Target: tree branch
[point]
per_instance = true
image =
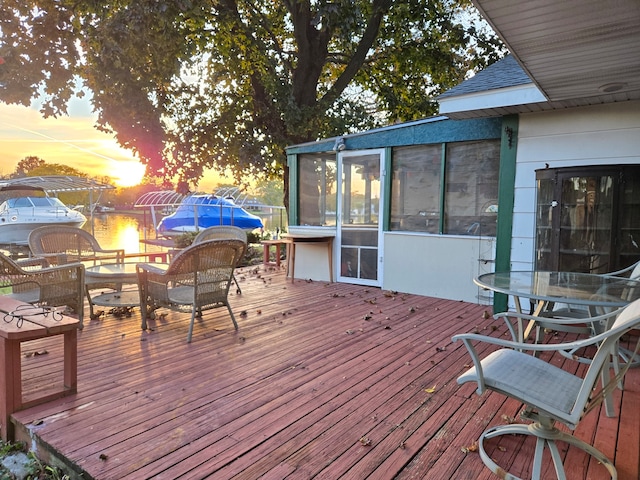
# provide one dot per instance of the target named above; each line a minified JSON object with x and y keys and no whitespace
{"x":380,"y":9}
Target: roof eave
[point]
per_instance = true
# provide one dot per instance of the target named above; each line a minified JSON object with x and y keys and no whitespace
{"x":491,"y":99}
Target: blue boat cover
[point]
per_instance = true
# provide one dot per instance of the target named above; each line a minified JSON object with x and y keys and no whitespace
{"x":209,"y":210}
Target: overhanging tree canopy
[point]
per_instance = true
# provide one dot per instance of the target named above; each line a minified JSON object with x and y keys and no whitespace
{"x":196,"y":84}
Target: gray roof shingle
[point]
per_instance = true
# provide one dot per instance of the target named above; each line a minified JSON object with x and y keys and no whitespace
{"x":504,"y":73}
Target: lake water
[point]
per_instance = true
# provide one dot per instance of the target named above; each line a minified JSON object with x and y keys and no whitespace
{"x":117,"y":230}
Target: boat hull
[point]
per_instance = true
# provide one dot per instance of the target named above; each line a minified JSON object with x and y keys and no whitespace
{"x":18,"y":217}
{"x":203,"y":211}
{"x":18,"y":233}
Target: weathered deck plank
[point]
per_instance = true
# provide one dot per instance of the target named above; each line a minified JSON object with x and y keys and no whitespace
{"x":321,"y":381}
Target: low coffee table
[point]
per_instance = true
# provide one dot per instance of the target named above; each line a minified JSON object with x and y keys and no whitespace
{"x":113,"y":275}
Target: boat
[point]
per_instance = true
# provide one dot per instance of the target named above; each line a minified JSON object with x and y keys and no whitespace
{"x":27,"y":204}
{"x":20,"y":215}
{"x":98,"y":208}
{"x":199,"y":211}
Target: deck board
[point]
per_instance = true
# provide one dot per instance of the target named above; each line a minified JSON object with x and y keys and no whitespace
{"x":320,"y":381}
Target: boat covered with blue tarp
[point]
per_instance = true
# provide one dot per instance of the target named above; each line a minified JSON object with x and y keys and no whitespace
{"x":198,"y":211}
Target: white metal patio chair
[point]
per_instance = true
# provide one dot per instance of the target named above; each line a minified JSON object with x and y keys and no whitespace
{"x":197,"y":279}
{"x":549,"y":393}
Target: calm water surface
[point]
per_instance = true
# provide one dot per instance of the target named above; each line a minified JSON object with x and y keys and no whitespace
{"x":116,"y":230}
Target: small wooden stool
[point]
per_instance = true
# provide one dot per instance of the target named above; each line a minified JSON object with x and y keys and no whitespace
{"x":266,"y":245}
{"x":21,"y":327}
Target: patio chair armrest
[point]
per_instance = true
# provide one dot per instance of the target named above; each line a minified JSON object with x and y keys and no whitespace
{"x":570,"y":324}
{"x":534,"y":347}
{"x":477,"y":363}
{"x":118,"y":253}
{"x":79,"y":267}
{"x":151,"y":268}
{"x":623,"y":271}
{"x":33,"y":263}
{"x":53,"y":258}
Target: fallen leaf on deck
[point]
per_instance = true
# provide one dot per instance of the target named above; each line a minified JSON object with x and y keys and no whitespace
{"x":366,"y":441}
{"x":471,"y":448}
{"x":431,"y":390}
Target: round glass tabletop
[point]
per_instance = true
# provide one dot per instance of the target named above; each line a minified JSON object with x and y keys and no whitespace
{"x":568,"y":287}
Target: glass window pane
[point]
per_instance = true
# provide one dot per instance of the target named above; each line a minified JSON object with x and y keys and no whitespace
{"x":317,"y":189}
{"x":585,"y":224}
{"x":544,"y":222}
{"x":471,"y":190}
{"x":415,"y":188}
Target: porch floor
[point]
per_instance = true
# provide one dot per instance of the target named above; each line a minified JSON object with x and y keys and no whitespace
{"x":321,"y":381}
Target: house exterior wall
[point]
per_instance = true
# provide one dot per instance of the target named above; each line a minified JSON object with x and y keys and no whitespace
{"x":441,"y":266}
{"x":585,"y":136}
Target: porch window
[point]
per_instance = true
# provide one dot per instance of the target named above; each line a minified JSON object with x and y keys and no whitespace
{"x":469,"y":204}
{"x":415,"y":188}
{"x":317,"y":194}
{"x":471,"y":188}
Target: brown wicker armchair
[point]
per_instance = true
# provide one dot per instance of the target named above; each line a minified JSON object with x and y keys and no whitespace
{"x":64,"y":244}
{"x":61,"y":244}
{"x":53,"y":286}
{"x":197,"y":279}
{"x":224,"y":232}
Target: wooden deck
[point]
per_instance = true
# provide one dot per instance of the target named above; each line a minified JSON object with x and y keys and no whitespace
{"x":321,"y":381}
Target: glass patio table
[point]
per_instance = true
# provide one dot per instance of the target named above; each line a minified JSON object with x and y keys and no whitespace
{"x":115,"y":275}
{"x":572,"y":288}
{"x":593,"y":292}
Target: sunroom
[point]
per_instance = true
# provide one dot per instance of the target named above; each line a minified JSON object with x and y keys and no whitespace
{"x":413,"y":207}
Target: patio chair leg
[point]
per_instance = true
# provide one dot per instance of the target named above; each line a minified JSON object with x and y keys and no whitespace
{"x":193,"y":317}
{"x":233,"y":318}
{"x":235,"y":280}
{"x":546,"y":437}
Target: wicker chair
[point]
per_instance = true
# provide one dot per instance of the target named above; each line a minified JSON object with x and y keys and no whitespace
{"x":197,"y":279}
{"x":550,"y":394}
{"x":224,"y":232}
{"x":64,"y":244}
{"x":61,"y":244}
{"x":52,"y":286}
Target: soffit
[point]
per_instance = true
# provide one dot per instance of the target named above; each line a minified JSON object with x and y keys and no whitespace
{"x":573,"y":50}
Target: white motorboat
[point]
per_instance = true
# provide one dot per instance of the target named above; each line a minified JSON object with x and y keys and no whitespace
{"x":22,"y":210}
{"x":20,"y":215}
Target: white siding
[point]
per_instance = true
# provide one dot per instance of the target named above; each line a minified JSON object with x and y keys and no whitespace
{"x":600,"y":135}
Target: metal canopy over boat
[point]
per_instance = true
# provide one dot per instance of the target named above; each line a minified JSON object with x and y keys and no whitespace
{"x":54,"y":184}
{"x":20,"y":213}
{"x":169,"y":198}
{"x":198,"y":210}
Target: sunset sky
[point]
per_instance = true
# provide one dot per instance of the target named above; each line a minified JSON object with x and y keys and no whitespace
{"x":71,"y":141}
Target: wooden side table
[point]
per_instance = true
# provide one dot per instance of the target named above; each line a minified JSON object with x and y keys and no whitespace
{"x":266,"y":245}
{"x":23,"y":322}
{"x":293,"y":239}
